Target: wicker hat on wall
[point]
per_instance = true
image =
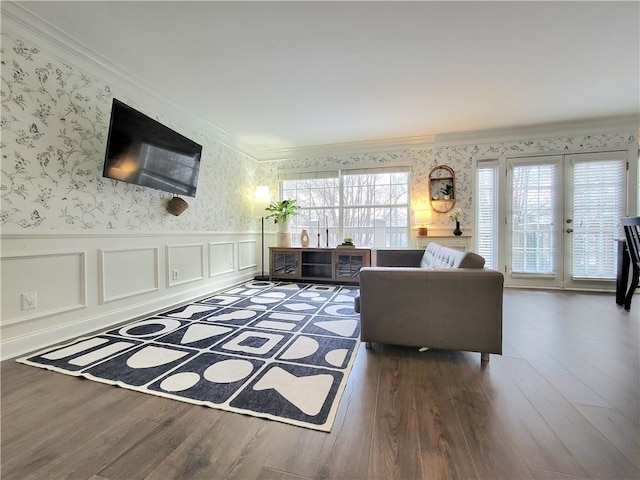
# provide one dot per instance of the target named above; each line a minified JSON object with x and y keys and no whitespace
{"x":176,"y":206}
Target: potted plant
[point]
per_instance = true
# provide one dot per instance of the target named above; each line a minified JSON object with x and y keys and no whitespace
{"x":281,"y":212}
{"x":447,"y":191}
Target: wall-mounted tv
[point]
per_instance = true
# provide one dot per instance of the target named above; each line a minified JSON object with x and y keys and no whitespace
{"x":144,"y":152}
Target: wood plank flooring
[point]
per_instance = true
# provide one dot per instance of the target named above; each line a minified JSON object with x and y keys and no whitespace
{"x":561,"y":403}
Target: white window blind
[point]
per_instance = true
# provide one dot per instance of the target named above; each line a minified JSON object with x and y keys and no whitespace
{"x":598,"y":204}
{"x":533,"y":246}
{"x":487,"y":213}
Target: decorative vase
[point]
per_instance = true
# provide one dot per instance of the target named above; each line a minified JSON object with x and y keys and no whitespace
{"x":283,"y":225}
{"x":457,"y":232}
{"x":304,"y":239}
{"x":284,"y":237}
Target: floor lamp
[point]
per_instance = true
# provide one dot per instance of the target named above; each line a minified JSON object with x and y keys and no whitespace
{"x":262,"y":200}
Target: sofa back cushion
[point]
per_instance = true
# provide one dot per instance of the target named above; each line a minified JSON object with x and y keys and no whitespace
{"x":439,"y":256}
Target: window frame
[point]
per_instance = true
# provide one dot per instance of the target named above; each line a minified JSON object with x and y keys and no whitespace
{"x":337,"y":232}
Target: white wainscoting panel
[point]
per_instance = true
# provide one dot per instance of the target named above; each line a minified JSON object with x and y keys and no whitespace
{"x":128,"y":272}
{"x":87,"y":281}
{"x":58,"y":280}
{"x":185,"y":263}
{"x":247,"y":254}
{"x":221,"y":258}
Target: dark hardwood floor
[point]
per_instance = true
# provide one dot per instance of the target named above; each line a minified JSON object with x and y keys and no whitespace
{"x":561,"y":403}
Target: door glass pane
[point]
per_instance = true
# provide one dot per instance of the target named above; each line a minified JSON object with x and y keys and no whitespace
{"x":533,"y":207}
{"x":349,"y":265}
{"x":284,"y":263}
{"x":598,"y":204}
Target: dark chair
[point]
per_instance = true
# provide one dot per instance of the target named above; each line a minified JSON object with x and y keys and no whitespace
{"x":632,"y":233}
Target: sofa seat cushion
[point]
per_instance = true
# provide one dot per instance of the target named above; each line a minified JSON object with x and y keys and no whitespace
{"x":439,"y":256}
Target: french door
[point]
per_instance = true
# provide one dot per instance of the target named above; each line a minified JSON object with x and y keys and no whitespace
{"x":563,"y":218}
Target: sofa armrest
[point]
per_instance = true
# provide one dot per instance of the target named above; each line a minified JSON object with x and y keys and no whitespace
{"x":399,"y":258}
{"x":457,"y":309}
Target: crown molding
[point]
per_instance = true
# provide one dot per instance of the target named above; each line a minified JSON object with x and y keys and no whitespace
{"x":18,"y":19}
{"x":625,"y":123}
{"x":69,"y":50}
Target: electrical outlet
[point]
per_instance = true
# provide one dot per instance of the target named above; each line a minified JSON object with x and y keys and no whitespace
{"x":175,"y":274}
{"x":29,"y":300}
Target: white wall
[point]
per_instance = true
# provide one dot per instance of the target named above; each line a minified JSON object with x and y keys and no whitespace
{"x":85,"y":281}
{"x":97,"y":251}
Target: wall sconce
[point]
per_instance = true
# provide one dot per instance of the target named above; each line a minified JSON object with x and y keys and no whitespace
{"x":261,"y":202}
{"x":422,"y":218}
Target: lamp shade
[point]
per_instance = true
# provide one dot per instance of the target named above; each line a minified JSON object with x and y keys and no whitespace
{"x":262,"y":200}
{"x":422,"y":217}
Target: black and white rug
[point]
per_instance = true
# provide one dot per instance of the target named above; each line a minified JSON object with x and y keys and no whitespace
{"x":281,"y":351}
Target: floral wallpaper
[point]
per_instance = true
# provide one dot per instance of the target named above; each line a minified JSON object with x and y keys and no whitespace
{"x":55,"y":122}
{"x":460,"y":158}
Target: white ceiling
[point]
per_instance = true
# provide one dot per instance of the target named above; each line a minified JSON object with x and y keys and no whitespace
{"x":283,"y":75}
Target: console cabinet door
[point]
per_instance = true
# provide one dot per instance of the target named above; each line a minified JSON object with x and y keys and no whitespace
{"x":285,"y":263}
{"x":348,"y":265}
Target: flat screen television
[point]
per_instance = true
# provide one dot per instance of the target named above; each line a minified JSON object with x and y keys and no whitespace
{"x":144,"y":152}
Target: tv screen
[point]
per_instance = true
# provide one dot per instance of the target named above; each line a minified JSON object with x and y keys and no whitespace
{"x":144,"y":152}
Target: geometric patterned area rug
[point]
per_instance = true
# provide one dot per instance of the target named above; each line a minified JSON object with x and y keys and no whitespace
{"x":281,"y":351}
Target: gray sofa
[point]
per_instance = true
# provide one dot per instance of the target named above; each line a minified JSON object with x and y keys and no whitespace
{"x":442,"y":298}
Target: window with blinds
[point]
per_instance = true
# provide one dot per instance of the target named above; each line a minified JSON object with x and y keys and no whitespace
{"x":487,"y":213}
{"x":533,"y":210}
{"x":369,"y":205}
{"x":598,"y":193}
